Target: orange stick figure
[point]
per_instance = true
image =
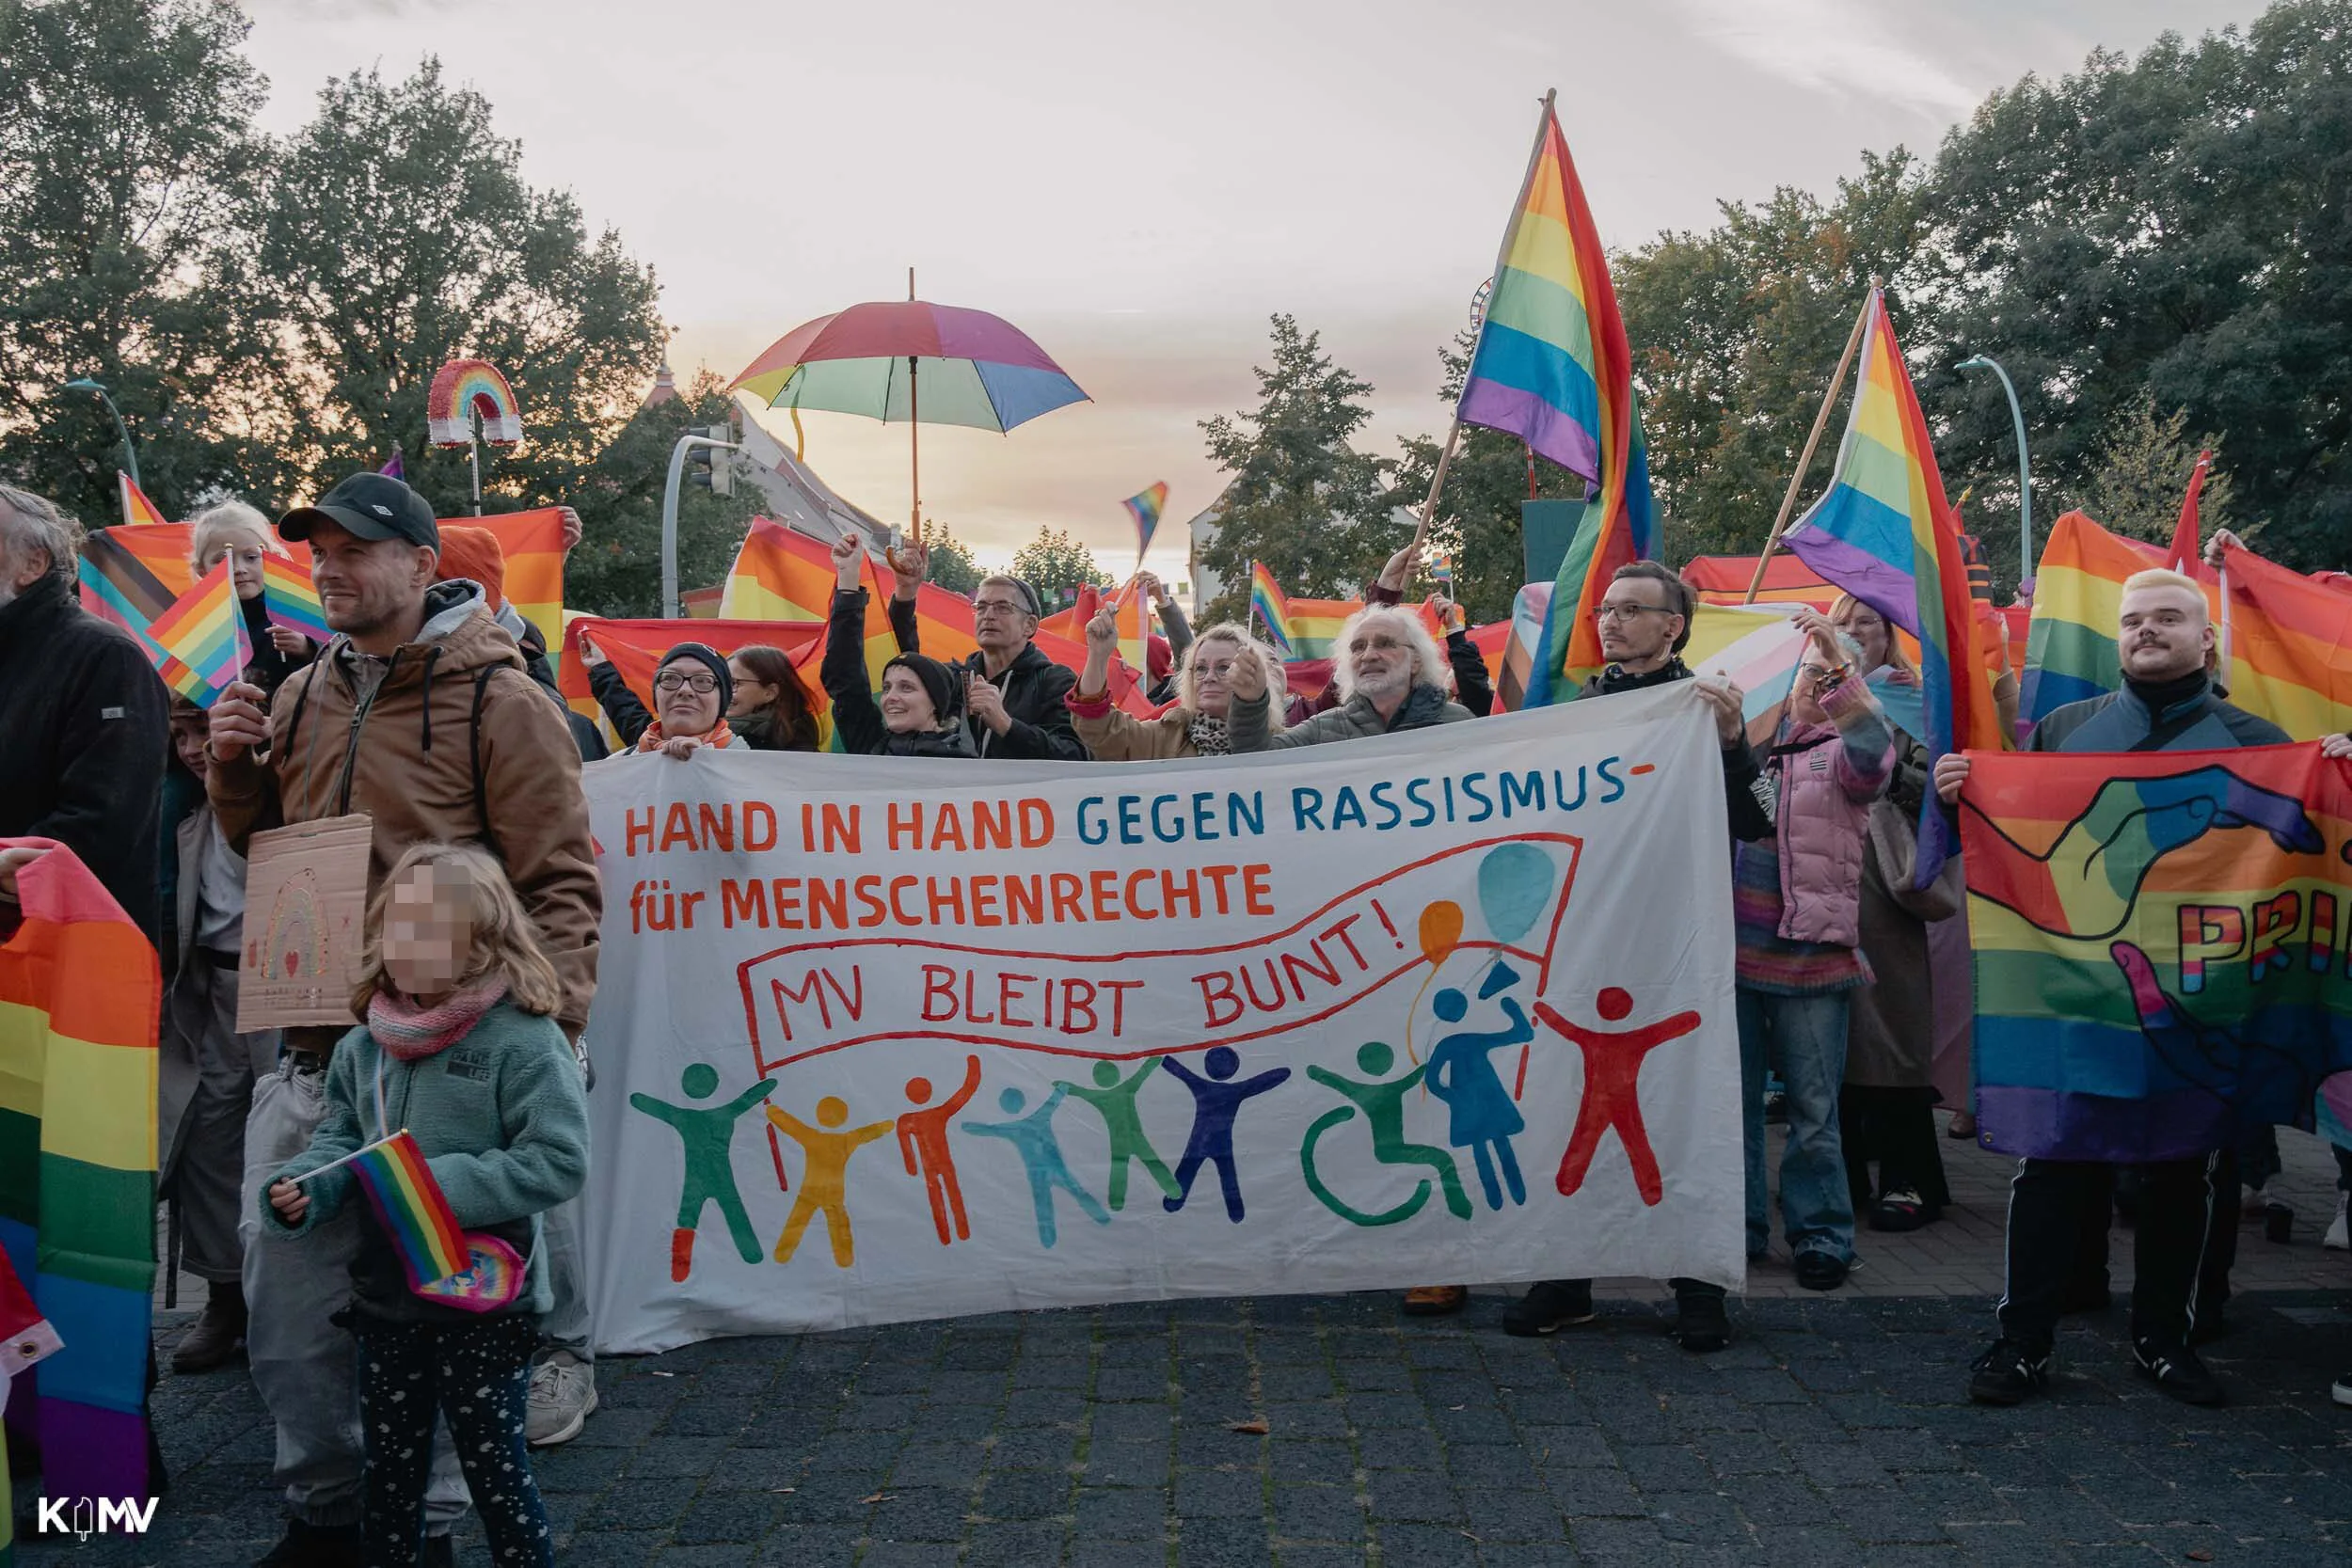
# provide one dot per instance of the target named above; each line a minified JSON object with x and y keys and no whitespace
{"x":824,"y":1176}
{"x":1612,"y":1073}
{"x":922,"y":1141}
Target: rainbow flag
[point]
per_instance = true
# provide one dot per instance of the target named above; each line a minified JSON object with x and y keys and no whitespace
{"x":203,"y":633}
{"x":2287,"y":642}
{"x":292,"y":601}
{"x":412,"y":1209}
{"x":1134,"y":609}
{"x":1314,"y":625}
{"x":1552,"y":366}
{"x":1144,"y":507}
{"x":79,"y":992}
{"x":2077,"y":595}
{"x":138,"y":511}
{"x":533,"y":546}
{"x":1885,"y":534}
{"x":2159,"y":944}
{"x":1271,"y":608}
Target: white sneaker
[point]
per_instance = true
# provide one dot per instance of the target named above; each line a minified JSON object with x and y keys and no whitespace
{"x":562,"y":1397}
{"x":2338,"y":1237}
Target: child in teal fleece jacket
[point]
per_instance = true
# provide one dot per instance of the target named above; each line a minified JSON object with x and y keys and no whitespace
{"x":460,"y":1049}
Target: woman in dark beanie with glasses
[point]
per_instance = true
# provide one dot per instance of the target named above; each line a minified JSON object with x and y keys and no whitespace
{"x":920,"y":711}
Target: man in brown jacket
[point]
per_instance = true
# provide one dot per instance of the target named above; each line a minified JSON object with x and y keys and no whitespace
{"x":420,"y":715}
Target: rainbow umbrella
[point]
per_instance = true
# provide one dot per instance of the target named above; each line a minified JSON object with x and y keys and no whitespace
{"x":915,"y":362}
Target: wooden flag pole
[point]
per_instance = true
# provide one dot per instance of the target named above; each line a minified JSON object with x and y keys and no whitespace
{"x":1436,"y":483}
{"x":1805,"y":459}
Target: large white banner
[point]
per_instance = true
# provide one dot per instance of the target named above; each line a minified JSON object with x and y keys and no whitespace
{"x":879,"y":1039}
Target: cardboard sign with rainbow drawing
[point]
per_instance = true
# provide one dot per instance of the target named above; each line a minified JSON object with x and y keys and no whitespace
{"x":306,"y":892}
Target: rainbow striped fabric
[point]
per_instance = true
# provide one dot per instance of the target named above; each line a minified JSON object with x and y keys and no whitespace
{"x":2160,"y":946}
{"x":1144,"y":507}
{"x":138,"y":511}
{"x":533,"y":542}
{"x":1134,"y":609}
{"x":2077,"y":594}
{"x":413,"y":1210}
{"x":1885,"y":534}
{"x":290,"y":600}
{"x":79,"y":992}
{"x":1271,"y":609}
{"x":1551,"y":367}
{"x":199,"y":644}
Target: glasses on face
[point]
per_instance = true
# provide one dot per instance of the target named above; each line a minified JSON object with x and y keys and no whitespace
{"x":1610,"y":609}
{"x":984,"y":609}
{"x":1213,"y":672}
{"x":1810,"y":674}
{"x":701,"y":685}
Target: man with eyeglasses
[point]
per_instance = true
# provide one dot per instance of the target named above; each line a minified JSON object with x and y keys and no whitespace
{"x":1645,"y":623}
{"x":1014,"y":698}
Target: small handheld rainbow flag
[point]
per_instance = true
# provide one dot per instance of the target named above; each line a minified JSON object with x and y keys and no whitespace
{"x":1144,"y":507}
{"x":203,"y":635}
{"x":1269,"y":604}
{"x":136,"y":508}
{"x":292,"y":601}
{"x":413,"y":1209}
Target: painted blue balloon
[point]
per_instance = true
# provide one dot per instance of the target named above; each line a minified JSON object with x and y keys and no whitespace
{"x":1513,"y":884}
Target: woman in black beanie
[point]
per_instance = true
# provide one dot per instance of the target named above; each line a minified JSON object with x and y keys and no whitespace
{"x":921,"y":713}
{"x":692,"y":688}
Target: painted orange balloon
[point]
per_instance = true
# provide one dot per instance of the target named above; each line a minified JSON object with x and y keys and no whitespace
{"x":1441,"y":930}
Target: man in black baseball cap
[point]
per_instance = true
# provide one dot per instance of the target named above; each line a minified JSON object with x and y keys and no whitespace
{"x":367,"y":506}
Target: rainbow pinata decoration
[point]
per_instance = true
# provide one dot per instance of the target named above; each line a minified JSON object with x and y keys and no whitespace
{"x":465,"y":390}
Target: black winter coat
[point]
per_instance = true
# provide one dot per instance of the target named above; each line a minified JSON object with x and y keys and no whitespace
{"x":1036,"y":699}
{"x":857,"y":720}
{"x":83,"y":742}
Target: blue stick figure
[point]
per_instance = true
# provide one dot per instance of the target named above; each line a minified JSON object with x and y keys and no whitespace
{"x":1215,"y":1101}
{"x":1462,"y":1073}
{"x":1032,"y":1138}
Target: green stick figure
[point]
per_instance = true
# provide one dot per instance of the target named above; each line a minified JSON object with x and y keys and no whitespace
{"x":1116,"y":1102}
{"x":707,"y":1132}
{"x":1383,"y":1105}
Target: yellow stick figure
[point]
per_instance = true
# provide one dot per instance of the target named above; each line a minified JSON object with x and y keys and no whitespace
{"x":824,"y":1173}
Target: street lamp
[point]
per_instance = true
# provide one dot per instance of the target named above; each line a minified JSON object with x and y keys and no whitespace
{"x":130,"y":457}
{"x":693,"y":440}
{"x":2024,"y":473}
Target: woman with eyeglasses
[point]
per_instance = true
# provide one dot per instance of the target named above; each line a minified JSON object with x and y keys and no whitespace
{"x":768,"y":708}
{"x":691,"y":691}
{"x":1194,"y":726}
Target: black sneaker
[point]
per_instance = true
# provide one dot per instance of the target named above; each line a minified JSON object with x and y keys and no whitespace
{"x":1901,"y":1210}
{"x":1822,"y":1271}
{"x":440,"y":1552}
{"x":1550,"y":1305}
{"x":2006,"y":1373}
{"x":308,"y":1546}
{"x":2176,"y":1370}
{"x":1700,"y":1322}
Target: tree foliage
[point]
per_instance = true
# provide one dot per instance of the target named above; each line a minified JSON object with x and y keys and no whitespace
{"x":616,"y":569}
{"x":1300,"y":497}
{"x":1056,"y":565}
{"x":2143,"y":474}
{"x":951,"y":564}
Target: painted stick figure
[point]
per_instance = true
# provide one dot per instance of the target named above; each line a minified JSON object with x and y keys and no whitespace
{"x":824,"y":1176}
{"x":1215,"y":1101}
{"x":1383,"y":1104}
{"x":1461,"y":1073}
{"x":707,"y":1132}
{"x":923,"y":1142}
{"x":1032,"y":1138}
{"x":1613,"y":1074}
{"x":1116,"y":1101}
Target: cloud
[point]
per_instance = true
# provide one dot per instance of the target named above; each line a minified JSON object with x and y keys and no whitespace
{"x":1831,"y":45}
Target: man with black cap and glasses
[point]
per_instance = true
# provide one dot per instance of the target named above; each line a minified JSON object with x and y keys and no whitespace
{"x":420,"y":715}
{"x":1014,"y":706}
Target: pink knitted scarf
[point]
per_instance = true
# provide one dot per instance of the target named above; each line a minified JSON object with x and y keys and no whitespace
{"x":412,"y":1032}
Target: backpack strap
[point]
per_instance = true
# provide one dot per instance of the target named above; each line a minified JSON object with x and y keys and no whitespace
{"x":481,"y":783}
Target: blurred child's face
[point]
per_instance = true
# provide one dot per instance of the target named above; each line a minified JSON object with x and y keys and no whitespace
{"x":245,"y":562}
{"x":187,"y":739}
{"x":428,"y":930}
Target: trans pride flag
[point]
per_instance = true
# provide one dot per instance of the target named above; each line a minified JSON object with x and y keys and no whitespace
{"x":1552,"y":368}
{"x":2160,"y":946}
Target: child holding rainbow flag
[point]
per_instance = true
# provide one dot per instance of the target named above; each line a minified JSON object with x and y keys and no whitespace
{"x":478,"y":1117}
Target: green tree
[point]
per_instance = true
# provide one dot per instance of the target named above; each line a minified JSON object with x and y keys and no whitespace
{"x":401,"y":235}
{"x":1300,"y":499}
{"x":616,"y":568}
{"x":127,"y":157}
{"x":1056,"y":565}
{"x":1478,"y":513}
{"x":2143,"y":475}
{"x":951,"y":564}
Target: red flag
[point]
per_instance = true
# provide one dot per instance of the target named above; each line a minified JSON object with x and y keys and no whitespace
{"x":2184,"y":553}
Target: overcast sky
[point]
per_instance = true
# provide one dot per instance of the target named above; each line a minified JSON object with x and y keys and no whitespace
{"x":1139,"y":187}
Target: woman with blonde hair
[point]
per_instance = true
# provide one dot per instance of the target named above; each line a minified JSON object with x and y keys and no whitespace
{"x":235,"y":531}
{"x":1195,"y":726}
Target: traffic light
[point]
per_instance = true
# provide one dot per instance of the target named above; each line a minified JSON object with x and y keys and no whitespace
{"x":705,"y":466}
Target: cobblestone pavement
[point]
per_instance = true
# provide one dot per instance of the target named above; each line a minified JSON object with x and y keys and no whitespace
{"x":1834,"y":1430}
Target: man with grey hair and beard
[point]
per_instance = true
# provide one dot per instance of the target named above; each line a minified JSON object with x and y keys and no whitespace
{"x":83,"y":716}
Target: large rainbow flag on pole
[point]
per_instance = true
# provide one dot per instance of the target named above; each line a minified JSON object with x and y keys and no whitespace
{"x":1551,"y":367}
{"x":1886,"y":535}
{"x":79,"y":992}
{"x":2160,"y":946}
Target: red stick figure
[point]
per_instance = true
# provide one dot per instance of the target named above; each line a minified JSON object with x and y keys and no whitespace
{"x":922,"y":1141}
{"x":1612,"y":1073}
